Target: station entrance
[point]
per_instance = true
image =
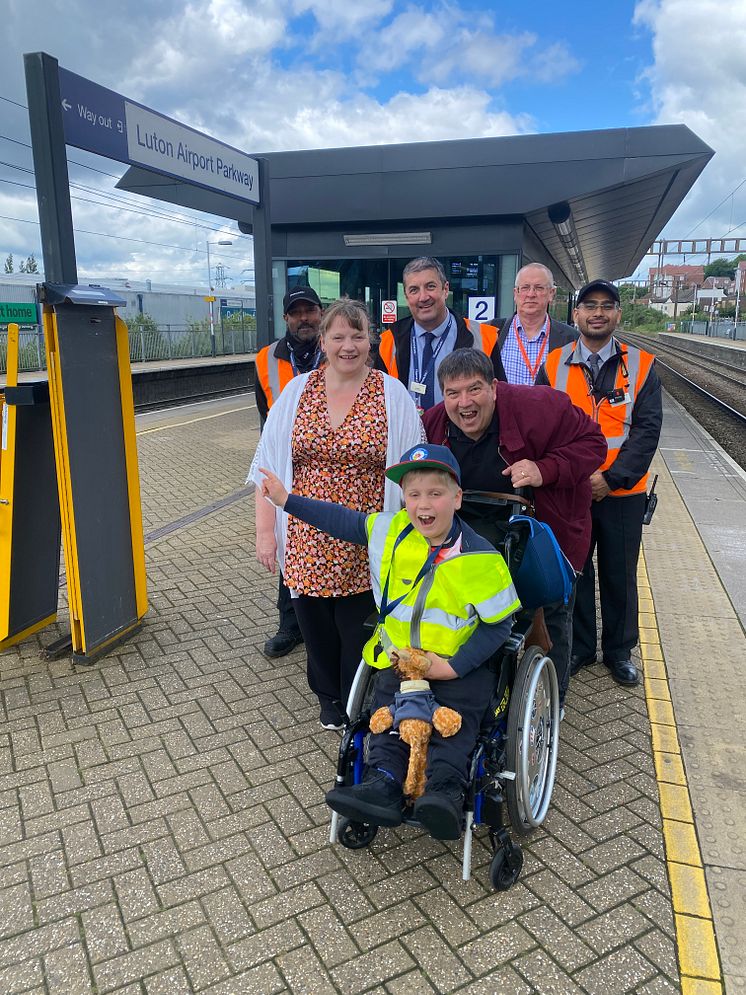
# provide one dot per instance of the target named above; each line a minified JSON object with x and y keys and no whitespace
{"x":376,"y":280}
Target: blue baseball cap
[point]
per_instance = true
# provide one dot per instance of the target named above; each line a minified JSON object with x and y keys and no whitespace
{"x":425,"y":457}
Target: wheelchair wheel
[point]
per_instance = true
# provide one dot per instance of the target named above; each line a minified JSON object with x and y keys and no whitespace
{"x":532,"y":740}
{"x":505,"y":866}
{"x":355,"y":835}
{"x":361,"y":692}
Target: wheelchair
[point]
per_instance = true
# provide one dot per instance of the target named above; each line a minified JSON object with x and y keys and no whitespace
{"x":514,"y":762}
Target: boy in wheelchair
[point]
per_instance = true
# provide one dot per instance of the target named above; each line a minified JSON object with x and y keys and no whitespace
{"x":441,"y":588}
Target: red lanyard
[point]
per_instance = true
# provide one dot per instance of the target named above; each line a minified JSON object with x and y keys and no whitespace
{"x":533,"y":370}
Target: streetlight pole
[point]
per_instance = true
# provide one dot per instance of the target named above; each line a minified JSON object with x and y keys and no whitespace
{"x":211,"y":300}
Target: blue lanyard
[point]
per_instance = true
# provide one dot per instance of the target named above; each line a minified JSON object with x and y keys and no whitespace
{"x":388,"y":606}
{"x":436,"y":351}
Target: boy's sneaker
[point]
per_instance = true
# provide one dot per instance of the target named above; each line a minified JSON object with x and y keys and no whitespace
{"x":440,"y":811}
{"x":377,"y":801}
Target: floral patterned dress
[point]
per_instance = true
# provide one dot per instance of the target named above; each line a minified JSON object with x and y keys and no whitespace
{"x":345,"y":465}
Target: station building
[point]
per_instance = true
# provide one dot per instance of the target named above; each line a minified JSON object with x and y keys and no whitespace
{"x":587,"y":204}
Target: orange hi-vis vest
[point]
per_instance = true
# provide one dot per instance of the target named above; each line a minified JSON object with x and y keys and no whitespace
{"x":567,"y":374}
{"x":274,"y":374}
{"x":485,"y":339}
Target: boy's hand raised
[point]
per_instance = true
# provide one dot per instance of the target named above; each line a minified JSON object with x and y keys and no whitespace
{"x":273,"y":488}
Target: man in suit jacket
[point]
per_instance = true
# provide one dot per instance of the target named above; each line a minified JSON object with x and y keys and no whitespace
{"x":530,"y":335}
{"x":414,"y":347}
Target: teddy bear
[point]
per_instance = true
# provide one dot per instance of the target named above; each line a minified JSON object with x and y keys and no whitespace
{"x":414,"y":714}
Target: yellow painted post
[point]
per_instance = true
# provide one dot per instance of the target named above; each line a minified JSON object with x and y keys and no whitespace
{"x":133,"y":472}
{"x":7,"y":472}
{"x":62,"y":458}
{"x":29,"y":549}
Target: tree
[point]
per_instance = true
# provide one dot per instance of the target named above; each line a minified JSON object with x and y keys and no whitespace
{"x":9,"y":263}
{"x":721,"y":267}
{"x":30,"y":266}
{"x":629,"y":292}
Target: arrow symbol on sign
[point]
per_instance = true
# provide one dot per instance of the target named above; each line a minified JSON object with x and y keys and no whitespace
{"x":65,"y":104}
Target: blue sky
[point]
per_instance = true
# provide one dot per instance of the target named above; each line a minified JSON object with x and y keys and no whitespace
{"x":280,"y":74}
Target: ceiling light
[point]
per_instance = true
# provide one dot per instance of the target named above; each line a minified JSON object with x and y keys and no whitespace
{"x":390,"y":238}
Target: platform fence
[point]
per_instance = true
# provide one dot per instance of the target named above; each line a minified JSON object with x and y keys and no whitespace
{"x":719,"y":328}
{"x":166,"y":342}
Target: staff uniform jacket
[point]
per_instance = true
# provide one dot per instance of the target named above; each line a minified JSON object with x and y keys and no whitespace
{"x":394,"y":350}
{"x":542,"y":425}
{"x":275,"y":445}
{"x":559,"y":334}
{"x":273,"y":371}
{"x":461,"y":609}
{"x":626,"y":466}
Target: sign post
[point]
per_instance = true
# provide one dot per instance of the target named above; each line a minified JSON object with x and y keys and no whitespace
{"x":50,"y":167}
{"x":87,"y":344}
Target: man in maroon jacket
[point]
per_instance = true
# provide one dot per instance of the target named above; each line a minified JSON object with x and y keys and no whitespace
{"x":507,"y":437}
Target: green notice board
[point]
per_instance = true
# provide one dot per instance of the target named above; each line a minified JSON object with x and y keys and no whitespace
{"x":22,"y":312}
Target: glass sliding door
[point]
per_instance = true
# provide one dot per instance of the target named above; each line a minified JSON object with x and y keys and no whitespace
{"x":376,"y":280}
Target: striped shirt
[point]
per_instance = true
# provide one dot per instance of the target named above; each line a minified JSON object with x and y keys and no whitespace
{"x":514,"y":364}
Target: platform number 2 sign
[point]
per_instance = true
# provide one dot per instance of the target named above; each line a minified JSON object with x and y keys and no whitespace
{"x":481,"y":308}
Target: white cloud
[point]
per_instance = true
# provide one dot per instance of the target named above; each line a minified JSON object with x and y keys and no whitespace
{"x":339,"y":20}
{"x":698,"y":78}
{"x":196,"y":45}
{"x":444,"y":42}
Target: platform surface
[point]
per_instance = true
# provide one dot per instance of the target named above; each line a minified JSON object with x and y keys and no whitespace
{"x":162,"y":819}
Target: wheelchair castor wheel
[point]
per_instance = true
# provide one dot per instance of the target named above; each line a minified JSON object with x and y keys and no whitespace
{"x":505,"y":866}
{"x":355,"y":835}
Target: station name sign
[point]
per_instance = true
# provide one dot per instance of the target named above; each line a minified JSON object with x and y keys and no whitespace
{"x":109,"y":124}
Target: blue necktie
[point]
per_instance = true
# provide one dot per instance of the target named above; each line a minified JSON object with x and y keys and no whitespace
{"x":428,"y":398}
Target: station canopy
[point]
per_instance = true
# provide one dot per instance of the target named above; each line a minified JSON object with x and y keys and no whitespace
{"x":618,"y":187}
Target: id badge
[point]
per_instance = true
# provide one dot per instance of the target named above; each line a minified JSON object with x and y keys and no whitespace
{"x":417,"y":388}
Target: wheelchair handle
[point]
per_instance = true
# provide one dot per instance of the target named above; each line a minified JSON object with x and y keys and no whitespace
{"x":496,"y":498}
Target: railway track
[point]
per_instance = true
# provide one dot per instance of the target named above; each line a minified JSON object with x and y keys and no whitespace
{"x":175,"y":402}
{"x":712,"y":390}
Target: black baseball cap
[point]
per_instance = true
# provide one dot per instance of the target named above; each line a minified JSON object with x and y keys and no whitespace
{"x":299,"y":294}
{"x":598,"y":285}
{"x":425,"y":457}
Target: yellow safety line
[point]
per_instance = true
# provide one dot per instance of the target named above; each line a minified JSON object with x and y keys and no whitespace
{"x":699,"y":961}
{"x":191,"y":421}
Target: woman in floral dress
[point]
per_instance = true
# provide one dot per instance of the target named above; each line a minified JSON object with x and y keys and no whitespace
{"x":330,"y":436}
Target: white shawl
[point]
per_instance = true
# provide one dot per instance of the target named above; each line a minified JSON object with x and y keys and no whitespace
{"x":275,"y":452}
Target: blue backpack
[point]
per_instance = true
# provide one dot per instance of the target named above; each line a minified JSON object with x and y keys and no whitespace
{"x":541,"y":572}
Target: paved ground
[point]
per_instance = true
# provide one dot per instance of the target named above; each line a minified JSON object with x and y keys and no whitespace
{"x":162,"y":819}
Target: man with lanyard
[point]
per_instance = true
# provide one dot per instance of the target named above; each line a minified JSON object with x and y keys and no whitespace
{"x":530,"y":335}
{"x":507,"y":437}
{"x":276,"y":365}
{"x":413,"y":348}
{"x":618,"y":387}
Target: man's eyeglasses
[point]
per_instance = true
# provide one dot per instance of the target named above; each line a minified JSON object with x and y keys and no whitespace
{"x":537,"y":288}
{"x":595,"y":305}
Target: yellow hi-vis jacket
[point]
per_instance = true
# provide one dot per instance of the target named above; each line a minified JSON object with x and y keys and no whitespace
{"x":442,"y":611}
